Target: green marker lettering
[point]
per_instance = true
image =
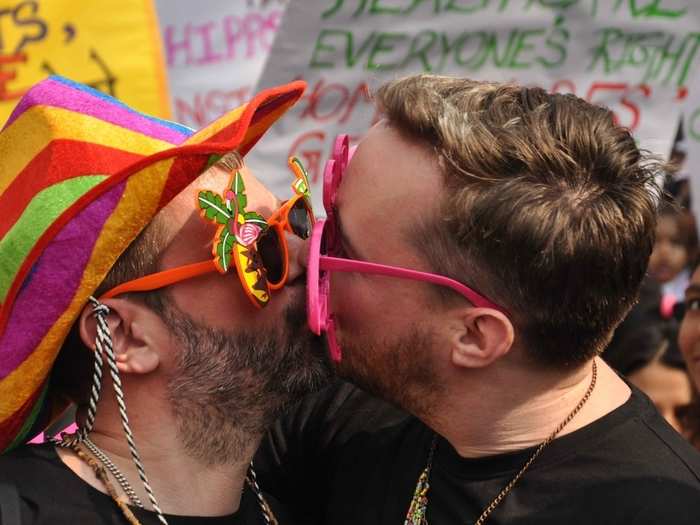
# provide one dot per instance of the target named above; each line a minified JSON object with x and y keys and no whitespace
{"x":320,"y":47}
{"x":376,"y":8}
{"x":384,"y":43}
{"x":556,"y":41}
{"x":610,"y":36}
{"x":652,"y":9}
{"x":481,"y":45}
{"x":522,"y":45}
{"x":332,"y":10}
{"x":453,"y":7}
{"x":421,"y":45}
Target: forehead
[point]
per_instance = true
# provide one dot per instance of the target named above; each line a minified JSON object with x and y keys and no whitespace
{"x":666,"y":224}
{"x":389,"y":183}
{"x":695,"y":278}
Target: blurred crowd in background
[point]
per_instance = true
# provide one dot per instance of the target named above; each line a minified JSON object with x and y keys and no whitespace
{"x":646,"y":347}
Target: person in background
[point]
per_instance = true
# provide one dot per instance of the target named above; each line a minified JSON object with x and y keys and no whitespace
{"x":644,"y":351}
{"x":665,"y":380}
{"x":689,"y":343}
{"x":675,"y":247}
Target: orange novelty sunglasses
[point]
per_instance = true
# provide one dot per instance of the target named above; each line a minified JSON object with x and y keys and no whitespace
{"x":262,"y":263}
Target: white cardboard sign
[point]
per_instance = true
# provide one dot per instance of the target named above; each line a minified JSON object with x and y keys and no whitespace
{"x":635,"y":56}
{"x":215,"y":51}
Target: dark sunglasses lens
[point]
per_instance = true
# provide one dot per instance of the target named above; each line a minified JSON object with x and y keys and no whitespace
{"x":270,"y":253}
{"x":299,"y":219}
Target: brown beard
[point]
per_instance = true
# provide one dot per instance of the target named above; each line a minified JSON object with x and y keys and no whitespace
{"x":228,"y":388}
{"x":400,"y":371}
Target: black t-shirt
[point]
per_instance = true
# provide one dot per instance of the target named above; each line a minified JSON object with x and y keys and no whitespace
{"x":344,"y":457}
{"x":52,"y":494}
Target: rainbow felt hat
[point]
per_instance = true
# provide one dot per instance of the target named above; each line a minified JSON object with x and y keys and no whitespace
{"x":81,"y":174}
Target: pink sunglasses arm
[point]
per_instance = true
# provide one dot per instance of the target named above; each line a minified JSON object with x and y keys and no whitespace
{"x":336,"y":264}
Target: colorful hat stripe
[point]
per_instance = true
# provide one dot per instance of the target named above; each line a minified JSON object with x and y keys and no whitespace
{"x":260,"y":121}
{"x":54,"y":279}
{"x":16,"y":424}
{"x":143,"y":188}
{"x":67,"y":125}
{"x":31,"y":419}
{"x":63,"y":93}
{"x":92,"y":159}
{"x":254,"y":123}
{"x":43,"y":209}
{"x":221,"y":129}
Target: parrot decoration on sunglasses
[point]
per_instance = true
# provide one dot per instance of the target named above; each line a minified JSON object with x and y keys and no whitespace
{"x":235,"y":238}
{"x":301,"y":184}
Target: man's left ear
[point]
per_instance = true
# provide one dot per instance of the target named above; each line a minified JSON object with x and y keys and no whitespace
{"x":136,"y":354}
{"x":483,"y":336}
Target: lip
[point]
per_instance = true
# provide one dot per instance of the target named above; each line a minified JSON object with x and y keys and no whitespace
{"x":662,"y":272}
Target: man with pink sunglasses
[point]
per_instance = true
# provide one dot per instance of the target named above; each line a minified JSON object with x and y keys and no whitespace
{"x":480,"y":247}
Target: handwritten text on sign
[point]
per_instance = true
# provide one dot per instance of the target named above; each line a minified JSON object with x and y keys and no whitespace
{"x":215,"y":50}
{"x":635,"y":56}
{"x":691,"y":123}
{"x":85,"y":42}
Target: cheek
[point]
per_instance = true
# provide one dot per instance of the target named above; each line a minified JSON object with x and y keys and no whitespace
{"x":680,"y":255}
{"x":218,"y":301}
{"x":356,"y":303}
{"x":378,"y":306}
{"x":687,"y":336}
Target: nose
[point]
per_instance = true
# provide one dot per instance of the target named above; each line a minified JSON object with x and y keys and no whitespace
{"x":663,"y":247}
{"x":298,"y":250}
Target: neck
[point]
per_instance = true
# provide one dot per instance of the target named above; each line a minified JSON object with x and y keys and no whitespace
{"x":183,"y":485}
{"x":512,"y":410}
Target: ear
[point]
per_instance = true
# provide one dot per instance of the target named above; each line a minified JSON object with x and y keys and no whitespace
{"x":483,"y":336}
{"x":128,"y":323}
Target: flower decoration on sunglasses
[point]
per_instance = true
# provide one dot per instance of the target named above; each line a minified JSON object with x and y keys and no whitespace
{"x":236,"y":236}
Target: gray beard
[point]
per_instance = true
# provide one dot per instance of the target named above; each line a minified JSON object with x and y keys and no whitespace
{"x":228,"y":388}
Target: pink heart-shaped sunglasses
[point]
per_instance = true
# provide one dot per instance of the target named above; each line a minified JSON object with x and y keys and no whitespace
{"x":325,"y":244}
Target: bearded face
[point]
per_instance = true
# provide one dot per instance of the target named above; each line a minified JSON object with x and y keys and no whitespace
{"x":228,"y":387}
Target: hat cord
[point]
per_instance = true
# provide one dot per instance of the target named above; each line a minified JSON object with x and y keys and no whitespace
{"x":104,"y":340}
{"x":103,"y":345}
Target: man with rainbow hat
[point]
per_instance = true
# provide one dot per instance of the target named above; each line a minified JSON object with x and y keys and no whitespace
{"x":106,"y":224}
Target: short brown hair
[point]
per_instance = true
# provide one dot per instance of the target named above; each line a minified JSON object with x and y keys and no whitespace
{"x":549,"y":206}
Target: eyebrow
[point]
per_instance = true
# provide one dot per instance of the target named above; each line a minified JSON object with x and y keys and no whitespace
{"x":692,"y":289}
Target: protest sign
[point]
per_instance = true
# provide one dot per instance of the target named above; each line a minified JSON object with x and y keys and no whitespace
{"x":691,"y":131}
{"x":635,"y":56}
{"x":112,"y":45}
{"x":215,"y":51}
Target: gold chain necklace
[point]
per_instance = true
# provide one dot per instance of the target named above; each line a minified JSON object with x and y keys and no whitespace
{"x":416,"y":514}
